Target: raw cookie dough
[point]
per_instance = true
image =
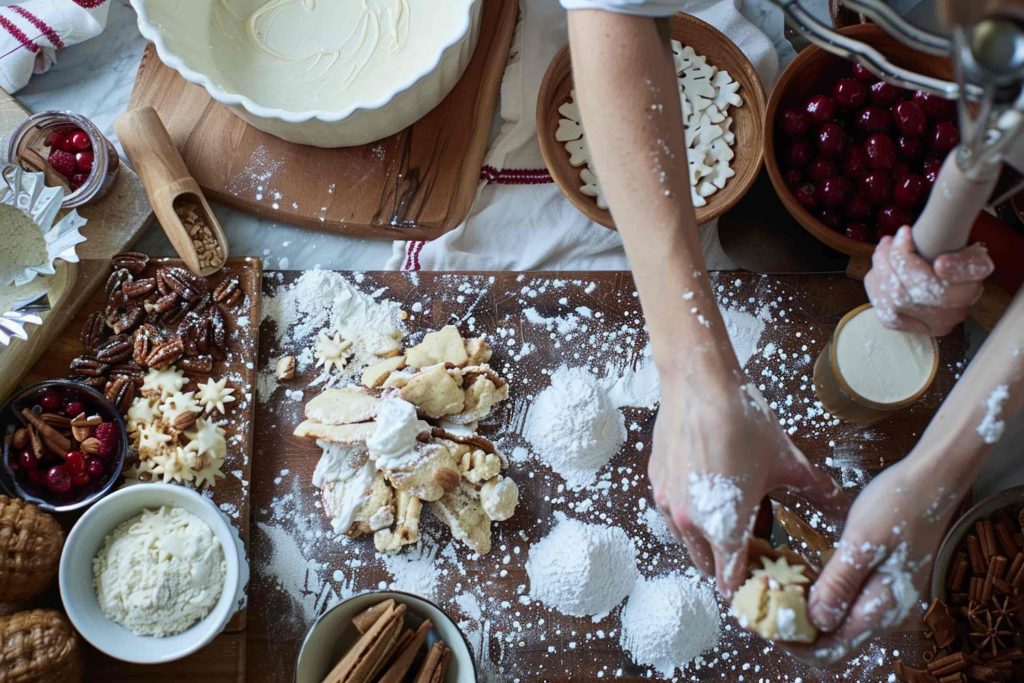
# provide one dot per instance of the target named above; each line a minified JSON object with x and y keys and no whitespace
{"x":773,"y":602}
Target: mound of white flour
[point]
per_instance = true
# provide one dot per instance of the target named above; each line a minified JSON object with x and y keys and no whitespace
{"x":582,"y":569}
{"x":670,"y":621}
{"x":574,"y":426}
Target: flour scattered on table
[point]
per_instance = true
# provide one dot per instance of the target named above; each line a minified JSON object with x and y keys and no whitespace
{"x":582,"y":569}
{"x":669,"y":622}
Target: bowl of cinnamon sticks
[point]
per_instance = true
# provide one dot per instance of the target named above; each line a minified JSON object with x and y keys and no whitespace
{"x":385,"y":637}
{"x":975,"y":621}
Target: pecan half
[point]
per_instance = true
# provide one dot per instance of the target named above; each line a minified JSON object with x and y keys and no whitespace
{"x":88,"y":366}
{"x":200,"y":304}
{"x":130,"y":370}
{"x":229,"y":291}
{"x":185,"y":284}
{"x":165,"y":303}
{"x":218,"y":331}
{"x":128,"y":320}
{"x":196,"y":365}
{"x":94,"y":331}
{"x":121,"y":392}
{"x":115,"y":350}
{"x":165,"y":353}
{"x":133,"y":261}
{"x":20,"y":438}
{"x":185,"y":420}
{"x":116,"y":281}
{"x":97,"y":382}
{"x":138,"y":288}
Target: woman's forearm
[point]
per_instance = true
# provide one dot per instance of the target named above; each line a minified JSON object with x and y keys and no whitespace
{"x":989,"y":394}
{"x":629,"y":100}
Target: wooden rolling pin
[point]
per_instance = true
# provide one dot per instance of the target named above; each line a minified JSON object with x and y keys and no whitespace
{"x":177,"y":201}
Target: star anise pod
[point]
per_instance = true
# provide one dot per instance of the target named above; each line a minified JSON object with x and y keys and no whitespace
{"x":1004,"y":611}
{"x":988,"y":636}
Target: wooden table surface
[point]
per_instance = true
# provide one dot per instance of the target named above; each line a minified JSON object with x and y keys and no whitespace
{"x":300,"y":570}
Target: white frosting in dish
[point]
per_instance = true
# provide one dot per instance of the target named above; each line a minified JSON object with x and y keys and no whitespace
{"x":328,"y":55}
{"x":883,"y":365}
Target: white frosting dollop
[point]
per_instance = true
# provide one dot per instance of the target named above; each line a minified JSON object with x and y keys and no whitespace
{"x":394,"y":441}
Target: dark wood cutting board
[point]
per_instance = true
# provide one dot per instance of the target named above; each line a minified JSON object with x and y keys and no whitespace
{"x":416,"y":184}
{"x":546,"y":645}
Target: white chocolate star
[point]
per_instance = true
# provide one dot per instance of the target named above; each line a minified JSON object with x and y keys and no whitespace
{"x":164,"y":382}
{"x":143,"y":411}
{"x":331,"y":352}
{"x":208,"y":438}
{"x":151,"y":441}
{"x":214,"y":394}
{"x":177,"y":404}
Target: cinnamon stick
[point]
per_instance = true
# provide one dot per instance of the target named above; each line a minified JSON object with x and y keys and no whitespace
{"x":1004,"y":537}
{"x":955,"y":579}
{"x":46,"y":432}
{"x":941,"y":666}
{"x":369,"y":616}
{"x":400,"y":666}
{"x":975,"y":554}
{"x":987,"y":537}
{"x":430,"y":664}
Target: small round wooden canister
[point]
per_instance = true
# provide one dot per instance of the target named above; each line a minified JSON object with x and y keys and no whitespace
{"x":840,"y":399}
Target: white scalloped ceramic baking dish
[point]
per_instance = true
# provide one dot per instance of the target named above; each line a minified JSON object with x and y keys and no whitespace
{"x":328,"y":73}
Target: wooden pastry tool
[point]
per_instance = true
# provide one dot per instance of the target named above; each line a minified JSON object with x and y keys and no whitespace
{"x":171,"y":188}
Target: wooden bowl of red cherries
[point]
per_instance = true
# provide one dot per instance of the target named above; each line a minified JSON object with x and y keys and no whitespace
{"x":852,"y":157}
{"x":64,"y":445}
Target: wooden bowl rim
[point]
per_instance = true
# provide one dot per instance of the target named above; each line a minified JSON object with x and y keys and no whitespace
{"x":819,"y":230}
{"x":726,"y":198}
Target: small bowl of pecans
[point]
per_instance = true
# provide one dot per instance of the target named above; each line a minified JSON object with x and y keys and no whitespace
{"x":64,"y":445}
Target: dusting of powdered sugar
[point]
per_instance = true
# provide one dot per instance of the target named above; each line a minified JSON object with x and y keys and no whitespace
{"x":745,"y":330}
{"x":670,"y":621}
{"x":582,"y":569}
{"x":992,"y":427}
{"x":716,"y":500}
{"x":324,"y":300}
{"x":574,"y":427}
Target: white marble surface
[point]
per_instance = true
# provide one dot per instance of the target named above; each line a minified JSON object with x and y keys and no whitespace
{"x":95,"y":79}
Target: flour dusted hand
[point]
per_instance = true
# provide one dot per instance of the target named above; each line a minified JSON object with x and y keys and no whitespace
{"x":717,"y":452}
{"x":913,"y":295}
{"x":876,"y":576}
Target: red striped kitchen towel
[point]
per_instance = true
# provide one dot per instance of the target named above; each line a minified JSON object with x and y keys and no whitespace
{"x":31,"y":33}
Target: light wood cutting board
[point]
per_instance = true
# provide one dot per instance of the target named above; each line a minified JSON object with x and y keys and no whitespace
{"x":416,"y":184}
{"x":114,"y":224}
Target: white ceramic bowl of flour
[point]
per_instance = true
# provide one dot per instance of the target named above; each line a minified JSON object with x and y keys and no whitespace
{"x":87,"y":538}
{"x":330,"y":74}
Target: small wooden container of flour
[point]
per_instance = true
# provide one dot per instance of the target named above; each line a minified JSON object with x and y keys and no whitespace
{"x":866,"y":372}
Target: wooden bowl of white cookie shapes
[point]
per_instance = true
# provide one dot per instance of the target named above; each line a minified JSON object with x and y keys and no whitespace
{"x":724,"y":162}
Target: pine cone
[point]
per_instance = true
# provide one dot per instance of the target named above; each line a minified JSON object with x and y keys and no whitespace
{"x":30,"y":545}
{"x":39,"y":646}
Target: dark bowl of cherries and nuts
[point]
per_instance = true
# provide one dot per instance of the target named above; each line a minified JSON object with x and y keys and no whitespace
{"x":852,"y":157}
{"x":64,"y":445}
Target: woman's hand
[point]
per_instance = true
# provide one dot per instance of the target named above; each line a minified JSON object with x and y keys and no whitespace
{"x":876,"y":577}
{"x":717,"y":452}
{"x":913,"y":295}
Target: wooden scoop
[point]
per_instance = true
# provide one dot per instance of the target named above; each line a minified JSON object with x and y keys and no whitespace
{"x":170,"y":186}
